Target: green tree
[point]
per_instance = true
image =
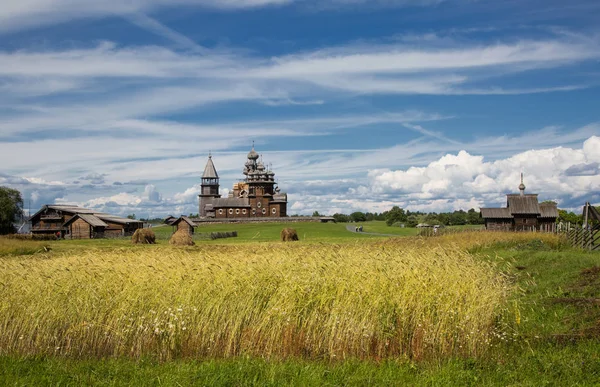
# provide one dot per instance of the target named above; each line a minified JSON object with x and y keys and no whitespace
{"x":341,"y":218}
{"x":569,"y":217}
{"x":316,"y":213}
{"x":412,"y":221}
{"x":132,"y":216}
{"x":458,"y":217}
{"x":358,"y":216}
{"x":444,"y":218}
{"x":11,"y":209}
{"x":396,"y":214}
{"x":473,"y":217}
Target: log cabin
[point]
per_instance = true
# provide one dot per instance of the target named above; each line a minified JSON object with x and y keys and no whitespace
{"x":73,"y":222}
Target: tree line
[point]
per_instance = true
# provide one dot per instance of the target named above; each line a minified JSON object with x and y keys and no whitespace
{"x":399,"y":217}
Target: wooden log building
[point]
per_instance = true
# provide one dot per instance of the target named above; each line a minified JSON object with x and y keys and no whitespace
{"x":256,"y":196}
{"x":523,"y":212}
{"x":73,"y":222}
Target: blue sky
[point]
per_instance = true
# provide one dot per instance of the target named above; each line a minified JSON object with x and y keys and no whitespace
{"x":432,"y":105}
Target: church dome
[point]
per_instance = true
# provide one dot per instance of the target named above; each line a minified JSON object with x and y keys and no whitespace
{"x":252,"y":155}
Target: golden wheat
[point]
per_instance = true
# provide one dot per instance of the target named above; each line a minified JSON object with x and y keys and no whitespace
{"x":404,"y":297}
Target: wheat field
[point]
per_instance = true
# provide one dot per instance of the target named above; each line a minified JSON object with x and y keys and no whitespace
{"x":407,"y":297}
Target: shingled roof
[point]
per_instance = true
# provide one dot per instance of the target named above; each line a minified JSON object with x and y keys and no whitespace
{"x":523,"y":204}
{"x":209,"y":171}
{"x":231,"y":202}
{"x":89,"y":219}
{"x":548,"y":210}
{"x":76,"y":210}
{"x":496,"y":213}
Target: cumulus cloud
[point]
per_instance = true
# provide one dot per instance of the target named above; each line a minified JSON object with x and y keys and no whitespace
{"x":458,"y":180}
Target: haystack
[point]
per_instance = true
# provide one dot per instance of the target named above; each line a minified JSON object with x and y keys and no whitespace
{"x":143,"y":236}
{"x":181,"y":238}
{"x":289,"y":234}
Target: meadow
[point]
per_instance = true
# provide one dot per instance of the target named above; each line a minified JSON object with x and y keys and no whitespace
{"x":336,"y":307}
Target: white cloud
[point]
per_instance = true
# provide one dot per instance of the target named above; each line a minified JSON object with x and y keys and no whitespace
{"x":24,"y":14}
{"x":453,"y":181}
{"x":456,"y":180}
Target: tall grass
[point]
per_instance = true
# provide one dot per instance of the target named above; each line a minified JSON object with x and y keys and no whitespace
{"x":10,"y":246}
{"x":375,"y":300}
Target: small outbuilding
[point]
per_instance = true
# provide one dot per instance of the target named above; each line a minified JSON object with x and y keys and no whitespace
{"x":85,"y":226}
{"x":184,"y":223}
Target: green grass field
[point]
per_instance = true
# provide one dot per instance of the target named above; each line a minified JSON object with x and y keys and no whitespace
{"x":550,"y":336}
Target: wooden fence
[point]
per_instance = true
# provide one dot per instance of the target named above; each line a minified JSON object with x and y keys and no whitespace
{"x":588,"y":239}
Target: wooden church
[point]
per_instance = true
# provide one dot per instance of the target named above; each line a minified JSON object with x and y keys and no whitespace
{"x":522,"y":213}
{"x":254,"y":197}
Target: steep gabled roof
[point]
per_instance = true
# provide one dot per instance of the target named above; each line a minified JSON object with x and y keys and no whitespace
{"x":523,"y":204}
{"x":89,"y":219}
{"x":209,"y":171}
{"x":183,"y":219}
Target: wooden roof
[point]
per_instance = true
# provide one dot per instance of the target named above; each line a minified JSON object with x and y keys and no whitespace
{"x":183,"y":219}
{"x":523,"y":204}
{"x":89,"y":219}
{"x":496,"y":213}
{"x":548,"y":210}
{"x":76,"y":210}
{"x":230,"y":202}
{"x":210,"y":171}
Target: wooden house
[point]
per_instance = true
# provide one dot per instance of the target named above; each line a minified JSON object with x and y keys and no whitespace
{"x":523,"y":212}
{"x":73,"y":222}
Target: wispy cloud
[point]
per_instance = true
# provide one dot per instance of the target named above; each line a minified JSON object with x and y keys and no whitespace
{"x":19,"y":15}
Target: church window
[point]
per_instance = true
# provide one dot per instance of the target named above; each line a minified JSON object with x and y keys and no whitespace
{"x":220,"y":211}
{"x":237,"y":211}
{"x":274,"y":210}
{"x":244,"y":211}
{"x":230,"y":211}
{"x":253,"y":211}
{"x":258,"y":204}
{"x":264,"y":211}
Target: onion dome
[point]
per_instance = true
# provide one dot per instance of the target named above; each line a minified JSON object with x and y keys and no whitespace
{"x":252,"y":155}
{"x":521,"y":186}
{"x":260,"y":166}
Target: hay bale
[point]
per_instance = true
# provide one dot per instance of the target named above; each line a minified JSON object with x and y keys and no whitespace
{"x":181,"y":238}
{"x":143,"y":236}
{"x":289,"y":234}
